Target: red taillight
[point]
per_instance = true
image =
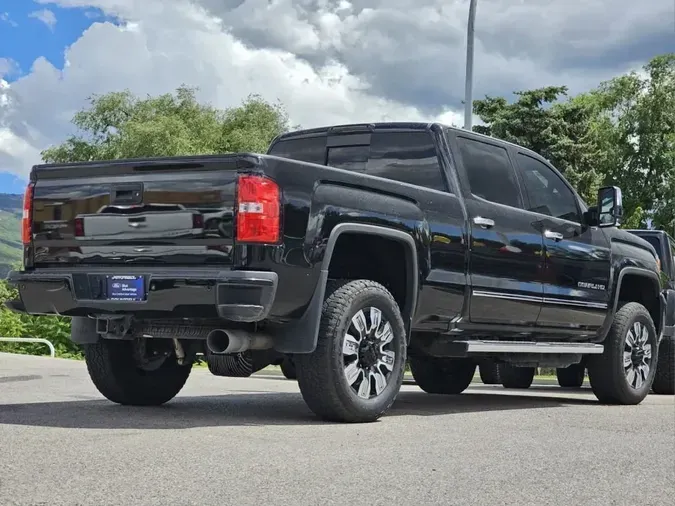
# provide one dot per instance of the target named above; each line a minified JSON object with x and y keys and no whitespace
{"x":27,"y":218}
{"x":258,"y":206}
{"x":198,"y":220}
{"x":79,"y":227}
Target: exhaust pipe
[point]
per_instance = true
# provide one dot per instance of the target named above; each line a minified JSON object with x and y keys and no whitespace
{"x":222,"y":341}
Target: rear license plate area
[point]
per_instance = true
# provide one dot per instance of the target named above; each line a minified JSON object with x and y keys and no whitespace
{"x":125,"y":288}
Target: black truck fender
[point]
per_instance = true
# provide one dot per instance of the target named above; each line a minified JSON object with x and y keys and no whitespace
{"x":654,"y":278}
{"x":301,"y":336}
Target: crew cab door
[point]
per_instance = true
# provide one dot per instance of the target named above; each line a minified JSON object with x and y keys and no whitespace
{"x":577,"y":266}
{"x":505,"y":242}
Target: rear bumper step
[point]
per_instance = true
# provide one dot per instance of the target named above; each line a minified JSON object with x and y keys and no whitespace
{"x":529,"y":347}
{"x":242,"y":296}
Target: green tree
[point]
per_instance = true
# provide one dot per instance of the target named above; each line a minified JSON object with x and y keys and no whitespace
{"x":557,"y":128}
{"x":638,"y":119}
{"x":121,"y":125}
{"x":621,"y":133}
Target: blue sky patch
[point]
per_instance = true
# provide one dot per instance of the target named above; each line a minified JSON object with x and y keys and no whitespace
{"x":25,"y":36}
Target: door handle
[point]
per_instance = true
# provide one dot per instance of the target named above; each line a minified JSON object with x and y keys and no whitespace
{"x":556,"y":236}
{"x":484,"y":222}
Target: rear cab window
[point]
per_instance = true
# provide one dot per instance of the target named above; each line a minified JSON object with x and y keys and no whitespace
{"x":404,"y":156}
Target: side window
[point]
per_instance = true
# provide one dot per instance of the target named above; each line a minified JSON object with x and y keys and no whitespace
{"x":490,"y":173}
{"x":409,"y":157}
{"x":548,"y":194}
{"x":307,"y":149}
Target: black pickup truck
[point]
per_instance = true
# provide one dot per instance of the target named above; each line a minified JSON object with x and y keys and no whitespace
{"x":350,"y":249}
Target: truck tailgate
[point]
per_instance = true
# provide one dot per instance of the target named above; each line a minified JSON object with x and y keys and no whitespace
{"x":154,"y":211}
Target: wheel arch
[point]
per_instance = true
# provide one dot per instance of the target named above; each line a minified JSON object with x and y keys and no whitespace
{"x":411,"y":261}
{"x":635,"y":284}
{"x":301,"y":336}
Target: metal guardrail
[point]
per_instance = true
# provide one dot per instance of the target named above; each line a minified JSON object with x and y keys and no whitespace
{"x":52,"y":351}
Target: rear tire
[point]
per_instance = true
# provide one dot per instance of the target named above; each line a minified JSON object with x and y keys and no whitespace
{"x":571,"y":376}
{"x":516,"y":377}
{"x":288,"y":369}
{"x":118,"y":377}
{"x":448,"y":376}
{"x":625,"y":371}
{"x":664,"y":381}
{"x":489,"y":373}
{"x":356,"y":370}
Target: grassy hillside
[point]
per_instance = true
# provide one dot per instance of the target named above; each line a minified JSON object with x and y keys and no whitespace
{"x":10,"y":231}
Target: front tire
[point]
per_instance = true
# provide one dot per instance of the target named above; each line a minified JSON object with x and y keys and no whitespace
{"x":516,"y":377}
{"x":664,"y":381}
{"x":436,"y":375}
{"x":625,"y":371}
{"x":117,"y":376}
{"x":571,"y":376}
{"x":356,"y":370}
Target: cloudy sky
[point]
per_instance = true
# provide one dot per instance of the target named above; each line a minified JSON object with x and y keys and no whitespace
{"x":327,"y":61}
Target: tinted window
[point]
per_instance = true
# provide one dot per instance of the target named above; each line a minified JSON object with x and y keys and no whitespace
{"x":546,"y":191}
{"x":489,"y":171}
{"x":354,"y":158}
{"x":309,"y":149}
{"x":409,"y":157}
{"x":656,"y":242}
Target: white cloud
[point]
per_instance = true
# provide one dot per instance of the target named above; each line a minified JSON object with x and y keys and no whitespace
{"x":327,"y":61}
{"x":15,"y":149}
{"x":7,"y":67}
{"x":5,"y":18}
{"x":162,"y":46}
{"x":46,"y":16}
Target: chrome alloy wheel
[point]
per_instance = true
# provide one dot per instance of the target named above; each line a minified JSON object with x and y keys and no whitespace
{"x":368,"y":361}
{"x":637,"y":355}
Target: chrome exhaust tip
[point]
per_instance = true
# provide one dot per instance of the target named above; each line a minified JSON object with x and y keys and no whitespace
{"x":221,"y":341}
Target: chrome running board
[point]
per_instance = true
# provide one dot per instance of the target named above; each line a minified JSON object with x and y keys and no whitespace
{"x":530,"y":347}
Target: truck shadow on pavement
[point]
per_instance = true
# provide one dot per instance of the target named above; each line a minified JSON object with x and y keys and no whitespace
{"x":253,"y":409}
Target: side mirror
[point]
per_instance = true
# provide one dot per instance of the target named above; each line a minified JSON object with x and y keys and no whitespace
{"x":610,"y":208}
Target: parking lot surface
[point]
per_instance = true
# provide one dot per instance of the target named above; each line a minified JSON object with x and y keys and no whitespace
{"x":254,"y":442}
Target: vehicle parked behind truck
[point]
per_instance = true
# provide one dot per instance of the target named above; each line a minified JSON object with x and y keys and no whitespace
{"x":349,"y":249}
{"x":664,"y":244}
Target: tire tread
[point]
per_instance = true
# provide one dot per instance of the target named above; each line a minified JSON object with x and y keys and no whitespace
{"x":112,"y":369}
{"x":445,"y":376}
{"x":318,"y":374}
{"x":606,"y":370}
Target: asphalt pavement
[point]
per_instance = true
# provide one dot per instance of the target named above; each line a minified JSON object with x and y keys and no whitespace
{"x":231,"y":441}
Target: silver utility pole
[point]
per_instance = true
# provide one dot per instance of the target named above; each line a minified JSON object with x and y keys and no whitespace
{"x":468,"y":99}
